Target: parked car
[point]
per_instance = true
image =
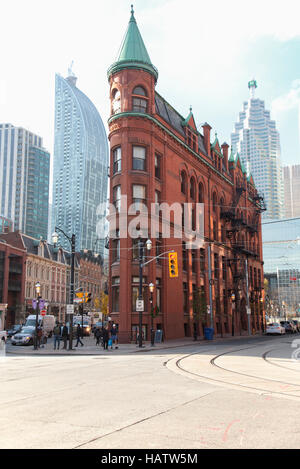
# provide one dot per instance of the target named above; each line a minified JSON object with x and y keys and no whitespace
{"x":290,"y":328}
{"x":275,"y":328}
{"x":13,"y":330}
{"x":297,"y":324}
{"x":24,"y":337}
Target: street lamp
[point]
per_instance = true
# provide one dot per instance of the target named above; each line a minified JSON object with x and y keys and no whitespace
{"x":72,"y":243}
{"x":232,"y":314}
{"x":37,"y":310}
{"x":141,"y":246}
{"x":151,"y":289}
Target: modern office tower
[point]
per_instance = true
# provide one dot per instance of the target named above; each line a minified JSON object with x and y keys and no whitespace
{"x":24,"y":180}
{"x":281,"y":254}
{"x":80,"y":166}
{"x":291,"y":183}
{"x":257,"y":141}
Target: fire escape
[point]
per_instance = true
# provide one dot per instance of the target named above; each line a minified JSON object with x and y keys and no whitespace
{"x":237,"y":229}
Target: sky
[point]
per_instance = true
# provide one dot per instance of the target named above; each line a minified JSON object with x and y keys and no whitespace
{"x":205,"y":52}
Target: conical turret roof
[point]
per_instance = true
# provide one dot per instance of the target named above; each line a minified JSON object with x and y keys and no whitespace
{"x":133,"y":52}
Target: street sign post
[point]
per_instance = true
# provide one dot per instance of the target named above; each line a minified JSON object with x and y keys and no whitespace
{"x":70,"y":309}
{"x":140,"y":305}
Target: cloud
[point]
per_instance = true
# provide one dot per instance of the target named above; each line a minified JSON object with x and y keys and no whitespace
{"x":287,"y":101}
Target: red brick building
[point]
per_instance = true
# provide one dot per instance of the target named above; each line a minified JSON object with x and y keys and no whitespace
{"x":12,"y":280}
{"x":157,"y":155}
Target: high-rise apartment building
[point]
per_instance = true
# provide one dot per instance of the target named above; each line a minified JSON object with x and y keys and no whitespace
{"x":291,"y":183}
{"x":80,"y":166}
{"x":257,"y":141}
{"x":24,"y":180}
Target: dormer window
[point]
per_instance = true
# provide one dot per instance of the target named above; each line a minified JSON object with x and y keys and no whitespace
{"x":116,"y":102}
{"x":139,"y":99}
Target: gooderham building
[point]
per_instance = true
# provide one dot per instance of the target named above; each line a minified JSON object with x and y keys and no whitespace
{"x":158,"y":155}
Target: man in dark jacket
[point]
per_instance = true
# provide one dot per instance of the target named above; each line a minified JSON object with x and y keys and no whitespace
{"x":78,"y":333}
{"x":64,"y":334}
{"x":105,"y":336}
{"x":98,"y":335}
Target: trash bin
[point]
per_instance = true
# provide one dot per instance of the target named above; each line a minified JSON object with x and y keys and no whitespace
{"x":208,"y":333}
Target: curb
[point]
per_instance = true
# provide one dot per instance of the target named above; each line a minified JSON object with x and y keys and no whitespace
{"x":143,"y":350}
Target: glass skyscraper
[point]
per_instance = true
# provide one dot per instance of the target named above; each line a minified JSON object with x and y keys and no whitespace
{"x":257,"y":141}
{"x":281,"y":253}
{"x":80,"y":166}
{"x":24,"y":180}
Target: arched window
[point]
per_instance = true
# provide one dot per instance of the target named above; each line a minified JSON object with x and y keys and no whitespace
{"x":200,"y":193}
{"x":183,"y":182}
{"x":139,"y":103}
{"x":192,"y":189}
{"x":139,"y":90}
{"x":116,"y":101}
{"x":214,"y":201}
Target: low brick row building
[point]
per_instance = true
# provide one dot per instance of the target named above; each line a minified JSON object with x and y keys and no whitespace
{"x":24,"y":261}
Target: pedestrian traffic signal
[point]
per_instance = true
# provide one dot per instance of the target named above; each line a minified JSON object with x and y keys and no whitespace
{"x":173,"y":265}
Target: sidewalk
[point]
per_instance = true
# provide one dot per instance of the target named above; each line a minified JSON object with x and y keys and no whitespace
{"x":90,"y":347}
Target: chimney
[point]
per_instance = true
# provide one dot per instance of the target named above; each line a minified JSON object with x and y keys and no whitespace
{"x":225,"y":147}
{"x":206,"y":130}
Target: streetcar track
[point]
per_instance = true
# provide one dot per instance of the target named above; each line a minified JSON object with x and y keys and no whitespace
{"x":145,"y":419}
{"x":212,"y":362}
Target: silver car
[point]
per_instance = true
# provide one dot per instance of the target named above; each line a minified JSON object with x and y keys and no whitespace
{"x":24,"y":337}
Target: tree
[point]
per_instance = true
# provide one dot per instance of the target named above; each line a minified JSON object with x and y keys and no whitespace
{"x":199,"y":305}
{"x":103,"y":304}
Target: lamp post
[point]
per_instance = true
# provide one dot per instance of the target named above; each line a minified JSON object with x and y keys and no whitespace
{"x":37,"y":310}
{"x":151,"y":289}
{"x":72,"y":243}
{"x":233,"y":309}
{"x":141,"y":246}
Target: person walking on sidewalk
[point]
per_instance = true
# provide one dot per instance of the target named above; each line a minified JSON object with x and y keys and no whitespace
{"x":105,"y":337}
{"x":98,"y":335}
{"x":78,"y":333}
{"x":64,"y":335}
{"x":39,"y":336}
{"x":56,"y":333}
{"x":114,"y":335}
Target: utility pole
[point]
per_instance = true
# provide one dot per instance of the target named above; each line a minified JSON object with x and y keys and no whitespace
{"x":247,"y":296}
{"x":210,"y":286}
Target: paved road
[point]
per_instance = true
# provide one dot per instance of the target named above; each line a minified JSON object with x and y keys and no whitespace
{"x":241,"y":394}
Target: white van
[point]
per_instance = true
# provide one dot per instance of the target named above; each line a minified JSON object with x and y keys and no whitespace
{"x":47,"y":322}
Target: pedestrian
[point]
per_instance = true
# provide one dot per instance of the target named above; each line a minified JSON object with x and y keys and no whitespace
{"x":98,"y":335}
{"x":78,"y":333}
{"x":39,"y":336}
{"x":114,"y":335}
{"x":56,"y":333}
{"x":44,"y":338}
{"x":64,"y":335}
{"x":105,"y":338}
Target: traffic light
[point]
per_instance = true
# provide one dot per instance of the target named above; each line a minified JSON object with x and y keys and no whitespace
{"x":88,"y":297}
{"x":80,"y":296}
{"x":173,"y":265}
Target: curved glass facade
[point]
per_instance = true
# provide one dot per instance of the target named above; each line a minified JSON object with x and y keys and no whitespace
{"x":80,"y":166}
